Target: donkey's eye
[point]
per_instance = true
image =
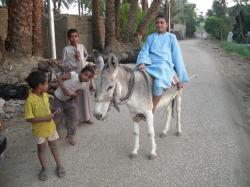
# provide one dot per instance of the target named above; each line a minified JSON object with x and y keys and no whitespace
{"x":109,"y":88}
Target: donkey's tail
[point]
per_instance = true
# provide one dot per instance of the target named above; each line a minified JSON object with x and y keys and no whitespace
{"x":174,"y":99}
{"x":193,"y":76}
{"x":173,"y":107}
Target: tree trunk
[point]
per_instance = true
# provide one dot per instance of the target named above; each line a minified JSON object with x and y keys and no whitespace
{"x":19,"y":37}
{"x":110,"y":37}
{"x":37,"y":27}
{"x":144,"y":5}
{"x":98,"y":34}
{"x":131,"y":20}
{"x":117,"y":18}
{"x":152,"y":12}
{"x":241,"y":26}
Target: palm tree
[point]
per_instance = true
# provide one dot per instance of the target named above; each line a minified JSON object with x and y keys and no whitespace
{"x":117,"y":18}
{"x":144,"y":5}
{"x":98,"y":34}
{"x":37,"y":23}
{"x":131,"y":19}
{"x":19,"y":37}
{"x":152,"y":12}
{"x":110,"y":36}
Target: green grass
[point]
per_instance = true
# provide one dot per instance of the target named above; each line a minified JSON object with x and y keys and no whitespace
{"x":236,"y":48}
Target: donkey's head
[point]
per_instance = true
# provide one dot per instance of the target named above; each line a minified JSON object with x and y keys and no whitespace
{"x":105,"y":87}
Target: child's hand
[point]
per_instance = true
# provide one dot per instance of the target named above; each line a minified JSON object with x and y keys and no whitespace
{"x":180,"y":85}
{"x":77,"y":56}
{"x":141,"y":67}
{"x":50,"y":117}
{"x":76,"y":94}
{"x":66,"y":92}
{"x":57,"y":111}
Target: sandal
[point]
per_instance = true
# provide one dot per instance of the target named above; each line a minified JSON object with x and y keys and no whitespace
{"x":43,"y":175}
{"x":60,"y":171}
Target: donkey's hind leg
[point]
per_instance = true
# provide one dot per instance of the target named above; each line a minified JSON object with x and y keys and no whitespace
{"x":134,"y":153}
{"x":168,"y":121}
{"x":178,"y":112}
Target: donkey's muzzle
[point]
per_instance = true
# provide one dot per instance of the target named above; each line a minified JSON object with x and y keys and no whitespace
{"x":98,"y":116}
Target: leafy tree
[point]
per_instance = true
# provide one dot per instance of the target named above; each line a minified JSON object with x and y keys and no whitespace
{"x":217,"y":27}
{"x":190,"y":18}
{"x":218,"y":23}
{"x":219,"y":8}
{"x":240,"y":14}
{"x":210,"y":13}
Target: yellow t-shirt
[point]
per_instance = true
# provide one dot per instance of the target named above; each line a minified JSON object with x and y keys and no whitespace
{"x":38,"y":106}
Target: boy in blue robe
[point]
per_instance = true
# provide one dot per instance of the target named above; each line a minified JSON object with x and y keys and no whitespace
{"x":161,"y":57}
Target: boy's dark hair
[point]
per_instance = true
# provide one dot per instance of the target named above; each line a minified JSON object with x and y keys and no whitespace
{"x":161,"y":16}
{"x":35,"y":78}
{"x":88,"y":68}
{"x":70,"y":31}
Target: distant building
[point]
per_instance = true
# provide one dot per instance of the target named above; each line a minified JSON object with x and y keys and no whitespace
{"x":179,"y":30}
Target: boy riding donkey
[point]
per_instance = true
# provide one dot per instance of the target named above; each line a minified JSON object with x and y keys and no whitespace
{"x":161,"y":57}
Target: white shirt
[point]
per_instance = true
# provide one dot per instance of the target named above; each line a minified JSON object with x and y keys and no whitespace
{"x":68,"y":57}
{"x":72,"y":85}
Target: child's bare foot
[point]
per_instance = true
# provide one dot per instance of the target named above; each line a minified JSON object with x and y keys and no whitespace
{"x":71,"y":140}
{"x":90,"y":122}
{"x":43,"y":175}
{"x":60,"y":171}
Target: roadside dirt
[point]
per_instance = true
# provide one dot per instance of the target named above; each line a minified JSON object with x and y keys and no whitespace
{"x":236,"y":70}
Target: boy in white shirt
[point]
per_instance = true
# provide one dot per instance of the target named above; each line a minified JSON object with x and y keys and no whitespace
{"x":65,"y":98}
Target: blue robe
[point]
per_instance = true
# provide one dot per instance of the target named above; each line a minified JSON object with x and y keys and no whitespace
{"x":162,"y":57}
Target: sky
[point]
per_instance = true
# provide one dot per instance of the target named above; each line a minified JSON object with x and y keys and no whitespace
{"x":201,"y":5}
{"x":204,"y":5}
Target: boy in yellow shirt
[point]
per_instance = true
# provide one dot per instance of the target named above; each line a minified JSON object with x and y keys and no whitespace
{"x":37,"y":111}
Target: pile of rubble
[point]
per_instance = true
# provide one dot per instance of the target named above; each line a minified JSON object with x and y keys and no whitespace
{"x":11,"y":108}
{"x":14,"y":70}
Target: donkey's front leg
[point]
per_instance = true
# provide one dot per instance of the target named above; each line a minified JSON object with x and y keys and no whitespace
{"x":178,"y":111}
{"x":151,"y":133}
{"x":136,"y":146}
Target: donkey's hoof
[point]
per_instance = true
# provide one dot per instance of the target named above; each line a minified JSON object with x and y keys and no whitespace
{"x":151,"y":156}
{"x":163,"y":135}
{"x":178,"y":134}
{"x":132,"y":155}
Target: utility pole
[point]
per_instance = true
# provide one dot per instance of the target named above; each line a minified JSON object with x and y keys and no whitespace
{"x":168,"y":13}
{"x":169,"y":19}
{"x":52,"y":31}
{"x":79,"y":7}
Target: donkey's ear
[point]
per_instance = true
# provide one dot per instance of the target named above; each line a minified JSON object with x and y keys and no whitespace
{"x":112,"y":62}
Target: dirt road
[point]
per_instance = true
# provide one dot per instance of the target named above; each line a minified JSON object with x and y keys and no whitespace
{"x":213,"y":150}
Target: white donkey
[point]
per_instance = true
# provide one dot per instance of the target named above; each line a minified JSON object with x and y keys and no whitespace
{"x":117,"y":84}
